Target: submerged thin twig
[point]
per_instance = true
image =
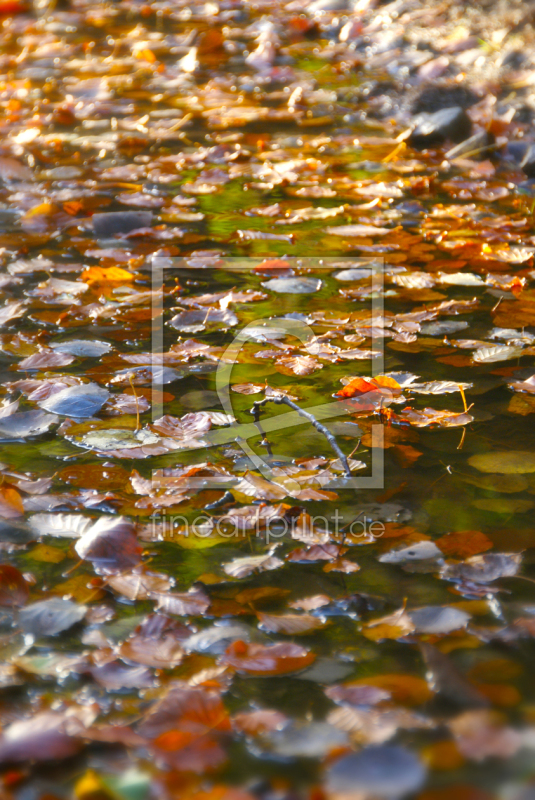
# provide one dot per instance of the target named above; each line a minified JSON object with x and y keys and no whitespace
{"x":255,"y":411}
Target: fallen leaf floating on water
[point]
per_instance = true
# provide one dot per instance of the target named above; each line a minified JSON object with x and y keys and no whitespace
{"x":48,"y":736}
{"x":386,"y":771}
{"x":358,"y":230}
{"x":393,"y":626}
{"x":482,"y":734}
{"x":290,"y":624}
{"x":175,"y":629}
{"x":49,"y":617}
{"x":110,"y":544}
{"x":77,"y":401}
{"x":376,"y":725}
{"x":511,"y":462}
{"x":14,"y":589}
{"x":483,"y":568}
{"x":276,"y":659}
{"x":242,"y":567}
{"x":192,"y":603}
{"x":25,"y":423}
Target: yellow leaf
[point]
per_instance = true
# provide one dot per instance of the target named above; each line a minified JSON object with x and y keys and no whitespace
{"x":393,"y":626}
{"x":47,"y":553}
{"x":78,"y":588}
{"x":89,"y":786}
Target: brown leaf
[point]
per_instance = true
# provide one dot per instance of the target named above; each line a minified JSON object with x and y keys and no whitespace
{"x":403,"y":688}
{"x":393,"y":626}
{"x":276,"y":659}
{"x":311,"y":603}
{"x":342,"y":565}
{"x":297,"y":365}
{"x":318,"y":552}
{"x":464,"y":543}
{"x":47,"y":736}
{"x":11,"y":505}
{"x":355,"y":694}
{"x":110,"y":544}
{"x":482,"y":734}
{"x":192,"y":603}
{"x":242,"y":567}
{"x":290,"y":624}
{"x":258,"y":722}
{"x":114,"y":676}
{"x":14,"y":590}
{"x":45,"y":359}
{"x":156,"y":643}
{"x":138,"y":585}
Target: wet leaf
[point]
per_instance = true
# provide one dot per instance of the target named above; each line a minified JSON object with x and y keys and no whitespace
{"x":290,"y":624}
{"x":14,"y":590}
{"x":276,"y":659}
{"x":49,"y":617}
{"x":110,"y":544}
{"x":463,"y":544}
{"x":48,"y":736}
{"x":293,"y":285}
{"x":192,"y":603}
{"x":115,"y":676}
{"x":484,"y":568}
{"x":77,"y":401}
{"x":438,"y":619}
{"x":242,"y":567}
{"x":512,"y":462}
{"x":383,"y":770}
{"x":393,"y":626}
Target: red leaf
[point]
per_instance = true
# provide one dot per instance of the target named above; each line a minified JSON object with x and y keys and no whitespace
{"x":13,"y":588}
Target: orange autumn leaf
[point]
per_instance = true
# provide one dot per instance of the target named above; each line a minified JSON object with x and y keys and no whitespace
{"x":443,"y":755}
{"x":393,"y":626}
{"x":463,"y":544}
{"x":393,"y":530}
{"x":495,"y":670}
{"x":72,"y":207}
{"x":10,"y":7}
{"x":356,"y":387}
{"x":502,"y":695}
{"x":10,"y":503}
{"x":272,"y":263}
{"x":386,"y":382}
{"x":107,"y":275}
